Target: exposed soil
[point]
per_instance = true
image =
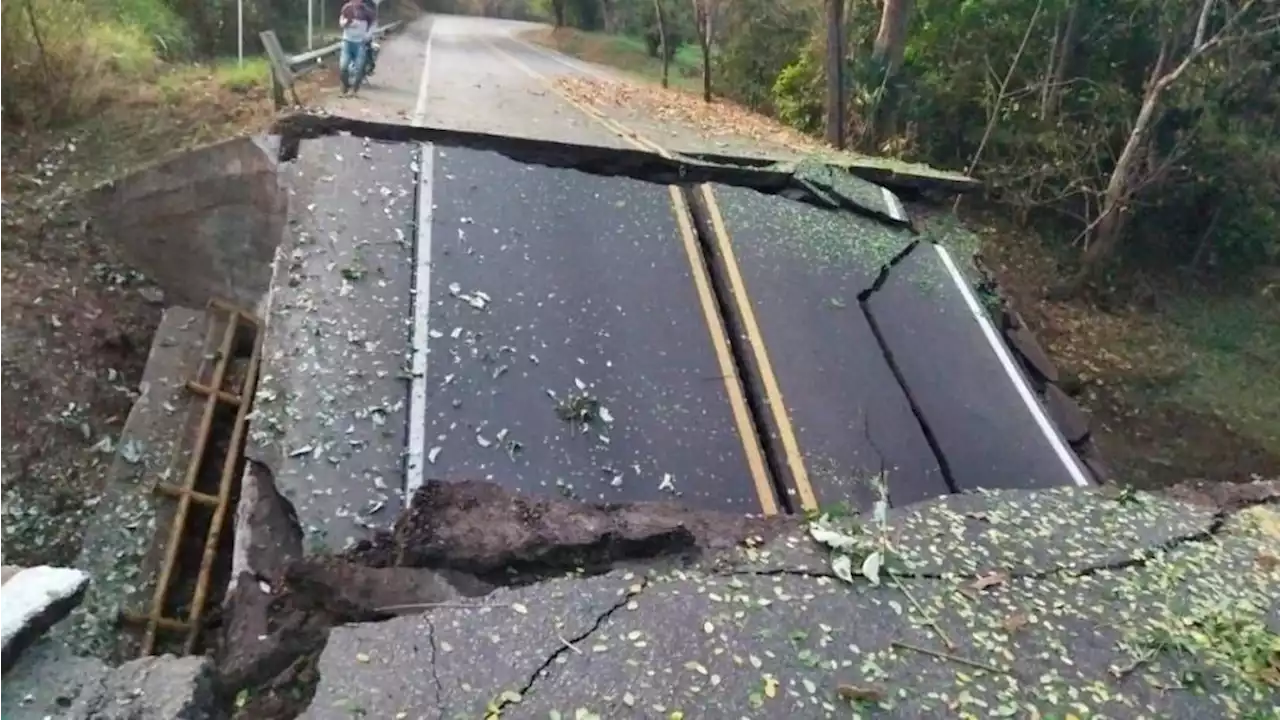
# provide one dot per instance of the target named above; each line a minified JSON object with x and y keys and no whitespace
{"x":1109,"y":356}
{"x":78,"y":321}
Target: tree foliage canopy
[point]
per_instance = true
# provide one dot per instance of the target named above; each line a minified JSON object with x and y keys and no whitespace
{"x":1041,"y":97}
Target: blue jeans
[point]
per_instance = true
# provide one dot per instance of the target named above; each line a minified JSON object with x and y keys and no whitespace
{"x":351,"y":64}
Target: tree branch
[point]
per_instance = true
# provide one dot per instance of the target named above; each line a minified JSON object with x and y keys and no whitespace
{"x":1004,"y":84}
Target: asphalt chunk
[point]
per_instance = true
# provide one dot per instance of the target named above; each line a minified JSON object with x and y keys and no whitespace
{"x":568,"y":351}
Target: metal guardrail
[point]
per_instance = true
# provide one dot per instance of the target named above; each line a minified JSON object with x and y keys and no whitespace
{"x":286,"y":69}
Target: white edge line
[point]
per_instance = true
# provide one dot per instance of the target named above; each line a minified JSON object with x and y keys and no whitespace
{"x":420,"y":106}
{"x":1015,"y":375}
{"x":420,"y":293}
{"x":414,"y":456}
{"x":896,"y":211}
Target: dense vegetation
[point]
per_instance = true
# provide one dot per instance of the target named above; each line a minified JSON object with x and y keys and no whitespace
{"x":1139,"y":131}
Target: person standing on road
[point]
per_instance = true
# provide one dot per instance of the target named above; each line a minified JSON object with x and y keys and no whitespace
{"x":357,"y":24}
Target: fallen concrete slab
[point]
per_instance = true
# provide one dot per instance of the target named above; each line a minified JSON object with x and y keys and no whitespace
{"x":33,"y":600}
{"x":202,"y":224}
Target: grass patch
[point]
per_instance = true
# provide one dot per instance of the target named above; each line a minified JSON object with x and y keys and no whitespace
{"x":1228,"y":364}
{"x":624,"y":53}
{"x":230,"y":74}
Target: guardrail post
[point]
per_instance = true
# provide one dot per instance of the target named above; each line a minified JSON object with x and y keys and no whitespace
{"x":281,"y":71}
{"x":277,"y":92}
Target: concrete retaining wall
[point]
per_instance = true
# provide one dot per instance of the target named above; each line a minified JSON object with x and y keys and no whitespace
{"x":201,"y":224}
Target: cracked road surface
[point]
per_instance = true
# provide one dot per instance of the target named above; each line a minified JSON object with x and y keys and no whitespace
{"x":1013,"y":604}
{"x":614,"y":339}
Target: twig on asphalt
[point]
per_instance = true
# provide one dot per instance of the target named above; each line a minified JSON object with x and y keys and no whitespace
{"x":928,"y":619}
{"x":949,"y":656}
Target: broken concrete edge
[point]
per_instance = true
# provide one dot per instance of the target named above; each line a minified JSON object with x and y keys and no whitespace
{"x":456,"y":541}
{"x":461,"y":541}
{"x":202,"y":223}
{"x":594,"y":160}
{"x":899,"y":179}
{"x":48,"y":682}
{"x":34,"y":599}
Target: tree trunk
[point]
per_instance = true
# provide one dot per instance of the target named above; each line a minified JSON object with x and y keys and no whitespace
{"x":1060,"y":62}
{"x":891,"y":40}
{"x":835,"y":73}
{"x":557,"y":9}
{"x":662,"y":42}
{"x":702,"y":20}
{"x":1109,"y":226}
{"x":607,"y":12}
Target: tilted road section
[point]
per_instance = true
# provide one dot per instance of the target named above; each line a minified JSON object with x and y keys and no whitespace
{"x":563,"y":321}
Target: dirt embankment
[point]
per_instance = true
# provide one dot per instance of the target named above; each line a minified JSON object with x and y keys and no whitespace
{"x":80,"y":310}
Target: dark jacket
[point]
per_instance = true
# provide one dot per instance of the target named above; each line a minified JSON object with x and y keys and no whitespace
{"x":356,"y":10}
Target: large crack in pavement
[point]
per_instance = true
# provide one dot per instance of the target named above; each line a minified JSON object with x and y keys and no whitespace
{"x":455,"y":541}
{"x":1218,"y":526}
{"x":796,"y":182}
{"x":317,"y":594}
{"x":926,"y":428}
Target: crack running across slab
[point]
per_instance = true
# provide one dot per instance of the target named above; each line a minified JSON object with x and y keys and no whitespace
{"x":435,"y":669}
{"x":570,"y":644}
{"x":1218,"y":525}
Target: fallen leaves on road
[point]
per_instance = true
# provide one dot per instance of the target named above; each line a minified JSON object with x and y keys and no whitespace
{"x":1015,"y":622}
{"x":719,"y":118}
{"x":989,"y":580}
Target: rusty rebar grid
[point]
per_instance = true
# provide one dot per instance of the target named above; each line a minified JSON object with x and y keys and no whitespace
{"x":186,"y":494}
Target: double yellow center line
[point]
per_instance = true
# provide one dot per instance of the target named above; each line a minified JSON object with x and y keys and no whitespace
{"x":706,"y":298}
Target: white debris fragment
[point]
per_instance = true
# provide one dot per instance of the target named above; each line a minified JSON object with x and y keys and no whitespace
{"x":605,"y":415}
{"x":432,"y":454}
{"x":668,"y":483}
{"x":31,"y":593}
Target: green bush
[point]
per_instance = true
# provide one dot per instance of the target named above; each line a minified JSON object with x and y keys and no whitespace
{"x":156,"y":21}
{"x":80,"y":61}
{"x":758,"y":39}
{"x":797,"y":94}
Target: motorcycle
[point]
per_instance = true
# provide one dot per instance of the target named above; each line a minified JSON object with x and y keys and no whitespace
{"x":371,"y":57}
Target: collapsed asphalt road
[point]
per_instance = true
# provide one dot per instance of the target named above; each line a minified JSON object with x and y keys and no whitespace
{"x":565,"y":322}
